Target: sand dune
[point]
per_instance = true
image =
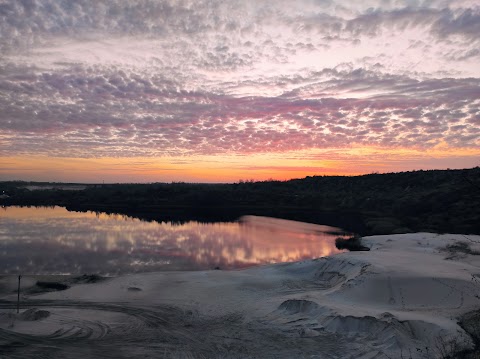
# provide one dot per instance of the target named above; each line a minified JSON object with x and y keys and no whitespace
{"x":404,"y":297}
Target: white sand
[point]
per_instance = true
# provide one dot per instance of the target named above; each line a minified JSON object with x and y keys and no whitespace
{"x":402,"y":298}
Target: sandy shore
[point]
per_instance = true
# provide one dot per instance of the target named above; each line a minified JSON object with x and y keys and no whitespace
{"x":403,"y":298}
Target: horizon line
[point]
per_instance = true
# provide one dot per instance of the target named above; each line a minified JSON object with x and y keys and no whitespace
{"x":240,"y":181}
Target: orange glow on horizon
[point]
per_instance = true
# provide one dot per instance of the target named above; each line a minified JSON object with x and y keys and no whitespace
{"x":232,"y":168}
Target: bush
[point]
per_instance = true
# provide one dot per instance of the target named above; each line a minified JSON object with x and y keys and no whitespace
{"x":352,"y":244}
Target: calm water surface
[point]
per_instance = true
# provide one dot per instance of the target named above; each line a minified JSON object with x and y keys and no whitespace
{"x":56,"y":241}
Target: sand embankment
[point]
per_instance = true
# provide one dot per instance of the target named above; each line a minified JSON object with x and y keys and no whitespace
{"x":402,"y":298}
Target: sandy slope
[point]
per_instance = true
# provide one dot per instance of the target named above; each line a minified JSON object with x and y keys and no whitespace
{"x":404,"y":297}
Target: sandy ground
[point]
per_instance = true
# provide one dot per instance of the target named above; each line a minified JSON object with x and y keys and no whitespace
{"x":402,"y":299}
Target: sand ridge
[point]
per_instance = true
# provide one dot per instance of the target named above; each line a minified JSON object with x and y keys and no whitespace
{"x":402,"y":298}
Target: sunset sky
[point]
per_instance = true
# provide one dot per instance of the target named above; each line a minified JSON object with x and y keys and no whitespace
{"x":218,"y":91}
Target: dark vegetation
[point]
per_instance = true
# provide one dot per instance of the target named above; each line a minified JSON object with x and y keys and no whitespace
{"x":353,"y":244}
{"x":434,"y":201}
{"x":55,"y":284}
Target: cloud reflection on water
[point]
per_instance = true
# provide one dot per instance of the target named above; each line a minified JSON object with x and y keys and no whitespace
{"x":56,"y":241}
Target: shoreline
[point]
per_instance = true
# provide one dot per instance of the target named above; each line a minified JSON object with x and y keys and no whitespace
{"x":374,"y":204}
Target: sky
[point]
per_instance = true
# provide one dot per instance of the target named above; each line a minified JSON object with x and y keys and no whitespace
{"x":222,"y":91}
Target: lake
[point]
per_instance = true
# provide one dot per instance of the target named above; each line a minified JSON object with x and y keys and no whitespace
{"x":52,"y":240}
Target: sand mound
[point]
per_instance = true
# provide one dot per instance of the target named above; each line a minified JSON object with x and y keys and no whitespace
{"x":134,"y":289}
{"x":29,"y":315}
{"x":33,"y":314}
{"x":401,"y":292}
{"x":296,"y":306}
{"x":87,"y":278}
{"x":393,"y":336}
{"x":328,"y":273}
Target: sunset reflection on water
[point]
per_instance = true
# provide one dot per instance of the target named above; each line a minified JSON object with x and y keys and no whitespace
{"x":56,"y":241}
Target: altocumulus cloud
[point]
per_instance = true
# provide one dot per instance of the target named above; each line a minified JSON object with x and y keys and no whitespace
{"x":149,"y":78}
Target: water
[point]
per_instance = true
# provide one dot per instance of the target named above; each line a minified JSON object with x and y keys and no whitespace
{"x":56,"y":241}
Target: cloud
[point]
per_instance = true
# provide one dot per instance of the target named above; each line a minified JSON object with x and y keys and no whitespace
{"x":464,"y":22}
{"x":168,"y":78}
{"x":214,"y":33}
{"x":129,"y":114}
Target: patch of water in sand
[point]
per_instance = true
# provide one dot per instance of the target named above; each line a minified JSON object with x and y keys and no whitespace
{"x":56,"y":241}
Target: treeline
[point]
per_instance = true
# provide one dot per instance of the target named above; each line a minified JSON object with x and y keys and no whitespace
{"x":433,"y":201}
